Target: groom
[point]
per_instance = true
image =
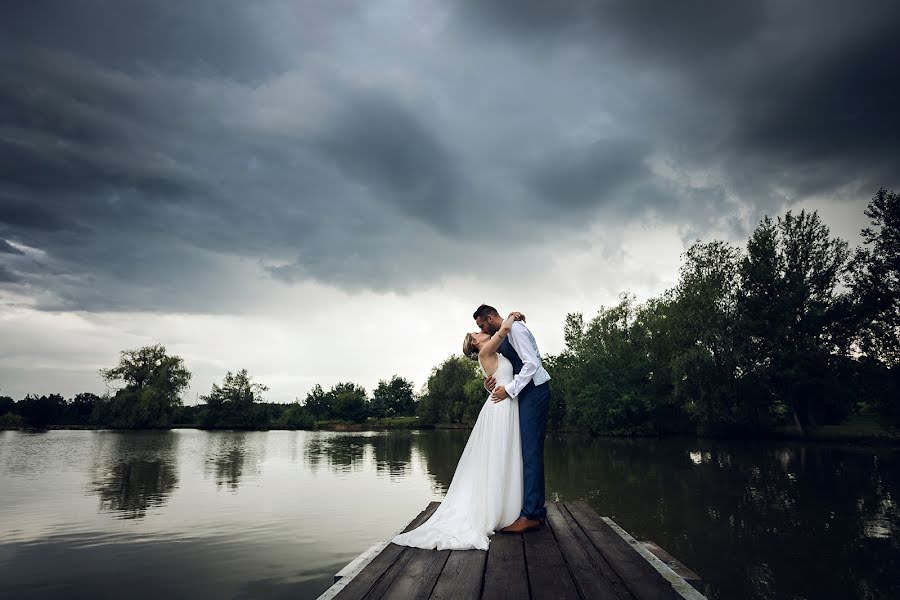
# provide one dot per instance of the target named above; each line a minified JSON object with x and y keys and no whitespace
{"x":531,"y":385}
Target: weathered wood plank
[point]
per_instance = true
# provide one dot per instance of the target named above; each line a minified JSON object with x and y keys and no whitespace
{"x":366,"y":579}
{"x":505,"y":575}
{"x":413,"y":575}
{"x":593,"y":576}
{"x":462,"y":576}
{"x":548,"y":574}
{"x":644,"y":582}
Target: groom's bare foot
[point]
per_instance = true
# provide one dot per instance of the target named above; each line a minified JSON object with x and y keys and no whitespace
{"x":521,"y":525}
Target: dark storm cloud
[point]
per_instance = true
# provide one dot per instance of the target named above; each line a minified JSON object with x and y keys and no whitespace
{"x":204,"y":37}
{"x":145,"y":147}
{"x":802,"y":94}
{"x":586,"y":175}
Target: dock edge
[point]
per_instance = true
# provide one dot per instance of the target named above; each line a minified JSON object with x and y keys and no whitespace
{"x":679,"y":584}
{"x":351,"y":570}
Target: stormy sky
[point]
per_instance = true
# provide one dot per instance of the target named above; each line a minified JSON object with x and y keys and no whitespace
{"x":324,"y":191}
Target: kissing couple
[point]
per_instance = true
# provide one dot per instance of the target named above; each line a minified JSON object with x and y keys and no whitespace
{"x":498,"y":484}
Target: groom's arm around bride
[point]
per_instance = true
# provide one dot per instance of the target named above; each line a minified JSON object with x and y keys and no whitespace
{"x":532,"y":388}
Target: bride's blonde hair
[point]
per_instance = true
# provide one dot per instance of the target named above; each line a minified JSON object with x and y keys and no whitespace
{"x":469,"y":347}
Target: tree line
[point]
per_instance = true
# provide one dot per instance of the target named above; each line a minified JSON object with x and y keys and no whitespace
{"x":794,"y":329}
{"x":151,"y":382}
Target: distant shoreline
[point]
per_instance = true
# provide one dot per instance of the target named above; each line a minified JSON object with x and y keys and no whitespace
{"x":828,"y":433}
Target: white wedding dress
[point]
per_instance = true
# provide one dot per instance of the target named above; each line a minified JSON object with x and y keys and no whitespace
{"x":486,"y":491}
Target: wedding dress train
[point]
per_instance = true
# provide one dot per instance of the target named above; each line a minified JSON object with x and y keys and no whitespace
{"x":486,"y":491}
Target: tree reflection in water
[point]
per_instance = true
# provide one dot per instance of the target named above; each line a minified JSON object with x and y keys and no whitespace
{"x":778,"y":512}
{"x":389,"y":453}
{"x":135,"y":472}
{"x":231,"y":455}
{"x":757,"y":519}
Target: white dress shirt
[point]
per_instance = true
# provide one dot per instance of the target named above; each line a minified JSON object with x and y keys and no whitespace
{"x":523,"y":343}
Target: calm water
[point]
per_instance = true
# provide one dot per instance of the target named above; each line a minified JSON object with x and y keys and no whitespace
{"x":275,"y":514}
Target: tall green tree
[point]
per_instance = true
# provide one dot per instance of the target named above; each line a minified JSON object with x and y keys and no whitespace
{"x":318,"y":403}
{"x":875,"y":280}
{"x":603,"y":376}
{"x":875,"y":284}
{"x":393,"y":398}
{"x":703,"y":314}
{"x":235,"y":403}
{"x":790,"y":319}
{"x":152,"y":383}
{"x":349,"y":402}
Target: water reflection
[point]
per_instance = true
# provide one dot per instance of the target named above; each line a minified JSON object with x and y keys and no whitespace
{"x":231,"y":455}
{"x":776,"y":511}
{"x":755,"y":519}
{"x":134,"y":472}
{"x":390,"y":453}
{"x":780,"y":512}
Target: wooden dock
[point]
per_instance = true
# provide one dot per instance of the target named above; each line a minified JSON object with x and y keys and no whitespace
{"x":578,"y":555}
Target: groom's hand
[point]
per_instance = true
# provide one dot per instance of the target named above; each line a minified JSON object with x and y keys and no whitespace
{"x":489,"y":383}
{"x":499,"y":394}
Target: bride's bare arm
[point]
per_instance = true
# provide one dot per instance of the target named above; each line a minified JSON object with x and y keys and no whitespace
{"x":493,"y":344}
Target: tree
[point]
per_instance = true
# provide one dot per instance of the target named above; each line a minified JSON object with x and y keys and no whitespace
{"x":875,"y":280}
{"x":81,"y":407}
{"x":297,"y":416}
{"x":7,"y":404}
{"x":234,"y":403}
{"x":41,"y":411}
{"x":153,"y":382}
{"x":790,"y":318}
{"x":602,"y":376}
{"x":318,"y":403}
{"x":875,"y":285}
{"x":703,"y":317}
{"x":393,"y":398}
{"x":445,"y":399}
{"x":349,"y":402}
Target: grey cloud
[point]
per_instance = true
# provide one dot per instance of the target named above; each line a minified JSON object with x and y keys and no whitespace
{"x":589,"y":175}
{"x":145,"y":147}
{"x":204,"y":37}
{"x":697,"y":30}
{"x":8,"y":276}
{"x":7,"y":248}
{"x":382,"y":144}
{"x":795,"y":94}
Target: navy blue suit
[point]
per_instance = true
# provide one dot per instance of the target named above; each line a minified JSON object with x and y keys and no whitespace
{"x":534,"y":402}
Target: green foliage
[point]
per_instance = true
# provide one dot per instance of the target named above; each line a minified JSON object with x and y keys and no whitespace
{"x":153,"y":382}
{"x":743,"y":342}
{"x":235,"y":402}
{"x":296,"y":416}
{"x":349,"y":402}
{"x":447,"y":399}
{"x":393,"y":398}
{"x":602,"y":378}
{"x":790,"y":320}
{"x":319,"y":404}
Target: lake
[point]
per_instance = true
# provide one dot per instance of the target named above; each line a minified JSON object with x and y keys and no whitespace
{"x":188,"y":513}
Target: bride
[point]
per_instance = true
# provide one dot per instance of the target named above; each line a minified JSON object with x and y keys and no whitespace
{"x":486,"y":491}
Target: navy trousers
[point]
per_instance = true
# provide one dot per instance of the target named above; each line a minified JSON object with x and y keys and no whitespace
{"x":534,"y":402}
